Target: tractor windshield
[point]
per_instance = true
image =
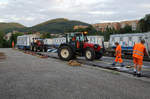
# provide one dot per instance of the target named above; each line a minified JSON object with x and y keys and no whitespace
{"x":81,"y":37}
{"x":76,"y":37}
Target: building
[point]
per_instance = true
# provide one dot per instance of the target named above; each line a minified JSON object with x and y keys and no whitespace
{"x":8,"y":36}
{"x":103,"y":26}
{"x":132,"y":23}
{"x":80,"y":27}
{"x":116,"y":25}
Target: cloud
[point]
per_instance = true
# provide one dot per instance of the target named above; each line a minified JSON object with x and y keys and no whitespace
{"x":102,"y":12}
{"x":145,"y":6}
{"x":31,"y":12}
{"x":3,"y":4}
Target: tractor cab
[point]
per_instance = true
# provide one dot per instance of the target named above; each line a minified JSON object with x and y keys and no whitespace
{"x":76,"y":39}
{"x":38,"y":45}
{"x":81,"y":37}
{"x":77,"y":45}
{"x":38,"y":41}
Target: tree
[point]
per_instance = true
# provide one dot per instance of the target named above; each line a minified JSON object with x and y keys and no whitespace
{"x":3,"y":42}
{"x":144,"y":24}
{"x":14,"y":37}
{"x":107,"y":33}
{"x":46,"y":35}
{"x":1,"y":39}
{"x":126,"y":29}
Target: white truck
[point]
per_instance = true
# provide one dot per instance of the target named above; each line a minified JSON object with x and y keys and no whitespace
{"x":91,"y":39}
{"x":96,"y":40}
{"x":127,"y":41}
{"x":24,"y":41}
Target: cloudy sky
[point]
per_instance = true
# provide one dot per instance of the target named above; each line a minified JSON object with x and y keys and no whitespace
{"x":31,"y":12}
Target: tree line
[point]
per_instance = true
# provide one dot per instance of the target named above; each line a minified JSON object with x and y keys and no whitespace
{"x":7,"y":43}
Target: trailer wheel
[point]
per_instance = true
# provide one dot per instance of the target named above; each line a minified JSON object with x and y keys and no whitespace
{"x":34,"y":49}
{"x":90,"y":54}
{"x":31,"y":48}
{"x":45,"y":49}
{"x":65,"y":53}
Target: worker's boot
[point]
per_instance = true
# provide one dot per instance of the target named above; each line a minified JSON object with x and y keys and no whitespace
{"x":139,"y":74}
{"x":122,"y":65}
{"x":113,"y":64}
{"x":134,"y":73}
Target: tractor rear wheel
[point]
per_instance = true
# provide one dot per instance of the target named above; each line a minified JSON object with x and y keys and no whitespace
{"x":90,"y":54}
{"x":65,"y":53}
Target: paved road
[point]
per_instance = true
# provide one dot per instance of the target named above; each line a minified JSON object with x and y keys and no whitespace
{"x":24,"y":76}
{"x":105,"y":62}
{"x":126,"y":61}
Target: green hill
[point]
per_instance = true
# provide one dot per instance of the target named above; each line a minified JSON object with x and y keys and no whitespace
{"x":7,"y":27}
{"x":59,"y":25}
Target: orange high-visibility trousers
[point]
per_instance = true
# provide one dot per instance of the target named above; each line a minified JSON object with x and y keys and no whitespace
{"x":118,"y":54}
{"x":118,"y":59}
{"x":137,"y":61}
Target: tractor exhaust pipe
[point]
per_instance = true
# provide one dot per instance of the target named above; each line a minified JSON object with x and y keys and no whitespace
{"x":103,"y":46}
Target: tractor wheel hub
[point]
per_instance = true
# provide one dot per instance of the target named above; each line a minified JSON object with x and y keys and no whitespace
{"x":64,"y":53}
{"x":88,"y":54}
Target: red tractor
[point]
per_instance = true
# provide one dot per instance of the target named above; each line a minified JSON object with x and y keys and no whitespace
{"x":77,"y":44}
{"x":38,"y":45}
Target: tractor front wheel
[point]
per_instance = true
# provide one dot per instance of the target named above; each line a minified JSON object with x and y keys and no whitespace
{"x":65,"y":53}
{"x":90,"y":54}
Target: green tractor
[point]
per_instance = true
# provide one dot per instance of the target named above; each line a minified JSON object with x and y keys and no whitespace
{"x":77,"y":45}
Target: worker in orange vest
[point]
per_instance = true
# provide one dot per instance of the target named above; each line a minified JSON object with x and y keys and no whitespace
{"x":118,"y":55}
{"x":73,"y":38}
{"x":138,"y":52}
{"x":13,"y":44}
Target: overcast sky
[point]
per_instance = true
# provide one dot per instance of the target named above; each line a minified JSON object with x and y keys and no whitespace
{"x":31,"y":12}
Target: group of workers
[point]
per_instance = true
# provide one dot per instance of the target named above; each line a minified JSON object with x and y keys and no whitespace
{"x":138,"y":53}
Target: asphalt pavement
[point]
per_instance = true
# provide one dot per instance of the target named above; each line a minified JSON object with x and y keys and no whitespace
{"x":23,"y":76}
{"x":106,"y":62}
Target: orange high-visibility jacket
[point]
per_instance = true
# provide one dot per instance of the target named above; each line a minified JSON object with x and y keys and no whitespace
{"x":138,"y":50}
{"x":78,"y":44}
{"x":74,"y":38}
{"x":118,"y":51}
{"x":13,"y":44}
